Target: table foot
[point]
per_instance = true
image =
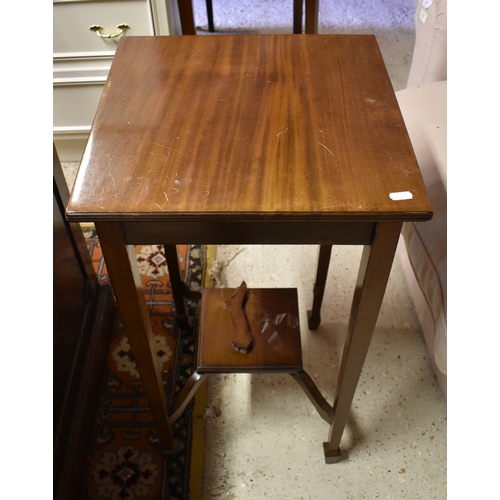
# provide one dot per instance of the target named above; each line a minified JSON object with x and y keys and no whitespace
{"x":331,"y":456}
{"x":313,"y":322}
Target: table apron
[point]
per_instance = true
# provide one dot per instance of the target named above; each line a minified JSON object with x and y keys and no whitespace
{"x":249,"y":232}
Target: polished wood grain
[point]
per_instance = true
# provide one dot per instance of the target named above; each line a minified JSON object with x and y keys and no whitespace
{"x":273,"y":126}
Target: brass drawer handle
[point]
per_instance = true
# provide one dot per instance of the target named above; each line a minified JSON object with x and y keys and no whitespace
{"x":122,"y":27}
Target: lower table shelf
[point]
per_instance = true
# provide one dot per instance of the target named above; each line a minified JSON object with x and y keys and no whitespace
{"x":270,"y":317}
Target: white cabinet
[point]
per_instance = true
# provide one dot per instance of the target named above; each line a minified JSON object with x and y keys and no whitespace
{"x":82,"y":58}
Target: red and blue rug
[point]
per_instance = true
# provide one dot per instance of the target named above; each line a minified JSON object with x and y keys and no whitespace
{"x":125,"y":460}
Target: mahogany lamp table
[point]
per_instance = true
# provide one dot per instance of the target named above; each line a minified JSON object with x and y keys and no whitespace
{"x":249,"y":139}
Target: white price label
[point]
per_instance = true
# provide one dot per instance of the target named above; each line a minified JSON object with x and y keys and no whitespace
{"x":401,"y":195}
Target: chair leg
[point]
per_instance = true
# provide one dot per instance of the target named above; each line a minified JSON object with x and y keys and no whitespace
{"x":210,"y":16}
{"x":297,"y":16}
{"x":312,"y":10}
{"x":187,"y":17}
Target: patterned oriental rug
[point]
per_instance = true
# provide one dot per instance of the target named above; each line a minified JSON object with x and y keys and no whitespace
{"x":125,"y":460}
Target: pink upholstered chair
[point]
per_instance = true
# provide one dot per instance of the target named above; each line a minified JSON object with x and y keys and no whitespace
{"x":423,"y":246}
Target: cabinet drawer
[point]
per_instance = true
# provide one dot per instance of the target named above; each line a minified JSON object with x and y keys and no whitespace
{"x":75,"y":107}
{"x":72,"y":21}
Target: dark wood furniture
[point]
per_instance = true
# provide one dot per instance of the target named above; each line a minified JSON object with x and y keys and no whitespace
{"x":83,"y":318}
{"x":185,"y":8}
{"x":258,"y":139}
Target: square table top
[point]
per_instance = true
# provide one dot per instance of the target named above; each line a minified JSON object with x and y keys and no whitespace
{"x":280,"y":126}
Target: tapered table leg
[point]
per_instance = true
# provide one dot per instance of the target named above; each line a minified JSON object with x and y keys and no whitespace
{"x":314,"y":316}
{"x":126,"y":283}
{"x":375,"y":267}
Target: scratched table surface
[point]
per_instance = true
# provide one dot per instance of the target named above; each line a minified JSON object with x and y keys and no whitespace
{"x":295,"y":126}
